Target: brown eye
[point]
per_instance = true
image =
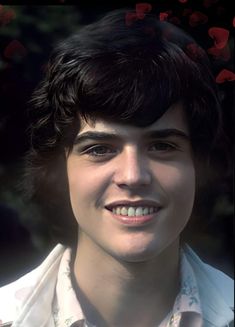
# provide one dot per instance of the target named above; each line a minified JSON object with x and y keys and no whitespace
{"x":162,"y":146}
{"x":100,"y":150}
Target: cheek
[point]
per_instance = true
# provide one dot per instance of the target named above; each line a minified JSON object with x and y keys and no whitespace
{"x":77,"y":182}
{"x":178,"y":182}
{"x":86,"y":187}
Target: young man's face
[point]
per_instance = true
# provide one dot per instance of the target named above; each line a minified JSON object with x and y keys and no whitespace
{"x":132,"y":189}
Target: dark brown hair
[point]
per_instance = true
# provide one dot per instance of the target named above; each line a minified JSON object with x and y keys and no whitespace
{"x":116,"y":71}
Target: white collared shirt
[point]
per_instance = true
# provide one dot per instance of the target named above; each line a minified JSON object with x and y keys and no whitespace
{"x":68,"y":312}
{"x":32,"y":300}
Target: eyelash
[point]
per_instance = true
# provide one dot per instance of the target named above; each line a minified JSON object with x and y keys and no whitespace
{"x":109,"y":151}
{"x":91,"y":151}
{"x":168,"y":146}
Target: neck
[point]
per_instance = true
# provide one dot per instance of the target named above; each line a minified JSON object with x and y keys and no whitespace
{"x":117,"y":293}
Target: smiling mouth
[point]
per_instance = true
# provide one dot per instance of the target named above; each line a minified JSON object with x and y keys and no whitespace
{"x":133,"y":211}
{"x":132,"y":216}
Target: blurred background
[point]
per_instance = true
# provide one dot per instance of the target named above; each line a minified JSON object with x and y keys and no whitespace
{"x":27,"y":35}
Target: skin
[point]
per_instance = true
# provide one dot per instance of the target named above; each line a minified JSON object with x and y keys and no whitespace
{"x":118,"y":266}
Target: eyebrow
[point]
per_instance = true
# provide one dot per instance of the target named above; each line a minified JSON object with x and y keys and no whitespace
{"x":104,"y":136}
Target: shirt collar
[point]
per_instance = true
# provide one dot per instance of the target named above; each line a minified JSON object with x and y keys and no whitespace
{"x":67,"y":310}
{"x":188,"y":298}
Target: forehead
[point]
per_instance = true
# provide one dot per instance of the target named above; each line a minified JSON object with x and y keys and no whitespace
{"x":173,"y":118}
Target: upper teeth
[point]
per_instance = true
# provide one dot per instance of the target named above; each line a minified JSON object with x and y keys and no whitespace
{"x":133,"y":211}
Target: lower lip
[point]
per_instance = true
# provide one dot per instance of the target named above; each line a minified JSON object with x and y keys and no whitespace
{"x":134,"y":221}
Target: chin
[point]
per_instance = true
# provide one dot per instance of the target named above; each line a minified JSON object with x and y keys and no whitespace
{"x":137,"y":254}
{"x":136,"y":250}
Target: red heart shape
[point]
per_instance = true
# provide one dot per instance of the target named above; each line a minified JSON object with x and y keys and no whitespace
{"x":15,"y":50}
{"x":225,"y":76}
{"x":223,"y":54}
{"x":197,"y":18}
{"x":142,"y":9}
{"x":219,"y":35}
{"x":163,"y":16}
{"x":130,"y":18}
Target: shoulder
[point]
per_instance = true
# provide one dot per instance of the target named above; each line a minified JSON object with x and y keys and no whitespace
{"x":15,"y":295}
{"x":224,"y":283}
{"x":206,"y":274}
{"x":216,"y":290}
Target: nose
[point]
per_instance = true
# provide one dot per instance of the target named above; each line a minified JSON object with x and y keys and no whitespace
{"x":132,"y":170}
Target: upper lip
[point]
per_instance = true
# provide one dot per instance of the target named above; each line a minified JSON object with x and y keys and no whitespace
{"x":140,"y":203}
